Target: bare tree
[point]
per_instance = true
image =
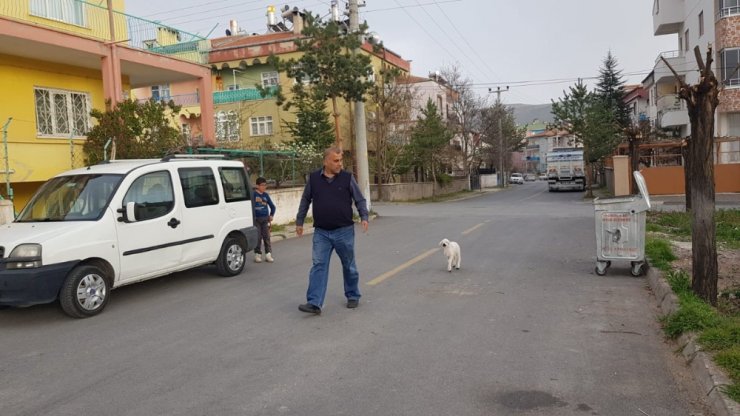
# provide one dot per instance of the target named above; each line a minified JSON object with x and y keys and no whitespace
{"x":393,"y":97}
{"x":464,"y":117}
{"x":702,"y":100}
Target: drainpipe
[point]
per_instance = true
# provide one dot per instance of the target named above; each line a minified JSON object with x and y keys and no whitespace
{"x":8,"y":189}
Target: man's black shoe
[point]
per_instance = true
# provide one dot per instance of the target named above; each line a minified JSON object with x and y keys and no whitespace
{"x":353,"y":303}
{"x":308,"y":308}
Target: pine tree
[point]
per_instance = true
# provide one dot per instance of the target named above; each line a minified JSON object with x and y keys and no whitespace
{"x":312,"y":124}
{"x":610,"y":90}
{"x":428,"y":139}
{"x":327,"y":69}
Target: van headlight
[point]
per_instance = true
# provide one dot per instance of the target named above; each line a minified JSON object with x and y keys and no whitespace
{"x":24,"y":256}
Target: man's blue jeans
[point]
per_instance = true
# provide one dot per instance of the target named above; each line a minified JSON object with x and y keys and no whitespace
{"x":342,"y":240}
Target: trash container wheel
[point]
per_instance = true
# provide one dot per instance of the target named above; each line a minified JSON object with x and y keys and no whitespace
{"x":601,"y":267}
{"x":638,"y":268}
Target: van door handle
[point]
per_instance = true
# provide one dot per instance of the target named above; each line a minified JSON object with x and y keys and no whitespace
{"x":173,"y":223}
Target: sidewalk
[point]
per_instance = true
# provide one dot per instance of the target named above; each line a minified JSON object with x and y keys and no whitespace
{"x":678,"y":202}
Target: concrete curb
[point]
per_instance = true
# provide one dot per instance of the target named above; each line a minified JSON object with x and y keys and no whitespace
{"x":710,"y":377}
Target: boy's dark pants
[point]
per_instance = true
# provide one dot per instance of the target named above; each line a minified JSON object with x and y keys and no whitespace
{"x":263,"y":225}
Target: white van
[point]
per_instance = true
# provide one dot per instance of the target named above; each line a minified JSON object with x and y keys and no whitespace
{"x":91,"y":230}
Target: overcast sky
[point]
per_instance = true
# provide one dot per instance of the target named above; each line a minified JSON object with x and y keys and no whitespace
{"x":537,"y":47}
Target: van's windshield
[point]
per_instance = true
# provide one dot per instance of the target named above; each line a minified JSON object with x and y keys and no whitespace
{"x":71,"y":198}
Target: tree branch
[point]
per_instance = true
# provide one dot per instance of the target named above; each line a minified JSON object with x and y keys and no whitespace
{"x":699,"y":61}
{"x":675,"y":74}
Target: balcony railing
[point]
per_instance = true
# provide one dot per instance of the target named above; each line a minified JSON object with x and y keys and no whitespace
{"x":181,"y":100}
{"x":92,"y":20}
{"x":668,"y":55}
{"x":233,"y":96}
{"x":728,"y":11}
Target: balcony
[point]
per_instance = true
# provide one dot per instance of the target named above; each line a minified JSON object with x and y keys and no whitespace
{"x":672,"y":111}
{"x":183,"y":100}
{"x":661,"y":70}
{"x":667,"y":17}
{"x":91,"y":20}
{"x":235,"y":96}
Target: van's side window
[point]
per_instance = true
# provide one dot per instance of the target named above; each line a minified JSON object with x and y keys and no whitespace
{"x":198,"y":187}
{"x":234,"y":183}
{"x":152,"y":194}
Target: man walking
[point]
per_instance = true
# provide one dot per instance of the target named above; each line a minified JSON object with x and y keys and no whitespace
{"x":331,"y":190}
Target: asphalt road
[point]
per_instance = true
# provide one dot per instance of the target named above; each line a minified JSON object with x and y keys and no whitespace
{"x":525,"y":327}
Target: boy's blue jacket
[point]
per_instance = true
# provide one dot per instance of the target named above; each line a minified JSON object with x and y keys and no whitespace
{"x":261,"y":203}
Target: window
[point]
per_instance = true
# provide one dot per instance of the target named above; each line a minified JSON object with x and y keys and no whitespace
{"x":701,"y":23}
{"x":729,"y":61}
{"x":152,"y":196}
{"x":270,"y":79}
{"x":227,"y":126}
{"x":68,"y":11}
{"x":686,"y":40}
{"x":161,"y":92}
{"x":62,"y":113}
{"x":729,"y":7}
{"x":261,"y":126}
{"x":198,"y":187}
{"x":733,"y":124}
{"x":234,"y":183}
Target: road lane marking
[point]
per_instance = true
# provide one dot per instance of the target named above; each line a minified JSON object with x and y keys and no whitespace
{"x":471,"y":229}
{"x":532,"y":196}
{"x":403,"y":266}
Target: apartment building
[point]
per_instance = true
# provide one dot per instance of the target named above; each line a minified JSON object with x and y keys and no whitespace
{"x":243,"y":118}
{"x":61,"y":59}
{"x":696,"y":23}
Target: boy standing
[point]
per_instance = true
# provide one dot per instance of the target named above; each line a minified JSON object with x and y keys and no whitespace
{"x":264,"y":210}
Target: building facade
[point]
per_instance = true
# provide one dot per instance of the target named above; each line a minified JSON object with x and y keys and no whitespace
{"x":58,"y":61}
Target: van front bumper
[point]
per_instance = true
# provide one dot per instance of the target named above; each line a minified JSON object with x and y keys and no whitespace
{"x":25,"y":287}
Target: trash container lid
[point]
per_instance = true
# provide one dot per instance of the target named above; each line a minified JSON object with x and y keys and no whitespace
{"x":642,"y":186}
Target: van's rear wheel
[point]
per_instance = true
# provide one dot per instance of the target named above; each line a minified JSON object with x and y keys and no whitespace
{"x":231,"y":259}
{"x":85,"y":292}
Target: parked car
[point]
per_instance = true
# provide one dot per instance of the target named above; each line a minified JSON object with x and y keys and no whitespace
{"x":88,"y":231}
{"x":530,"y":177}
{"x":516,"y":178}
{"x":543,"y":176}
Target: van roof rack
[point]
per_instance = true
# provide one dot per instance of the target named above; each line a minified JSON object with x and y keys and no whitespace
{"x":167,"y":158}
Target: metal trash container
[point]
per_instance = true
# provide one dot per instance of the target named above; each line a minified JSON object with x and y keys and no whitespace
{"x":620,"y":229}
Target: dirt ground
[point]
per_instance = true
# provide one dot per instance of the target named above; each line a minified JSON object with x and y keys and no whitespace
{"x":728,"y":281}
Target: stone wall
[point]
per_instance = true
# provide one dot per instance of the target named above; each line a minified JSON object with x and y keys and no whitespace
{"x":415,"y":190}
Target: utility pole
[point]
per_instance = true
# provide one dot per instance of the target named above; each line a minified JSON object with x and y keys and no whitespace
{"x":502,"y":179}
{"x":363,"y":171}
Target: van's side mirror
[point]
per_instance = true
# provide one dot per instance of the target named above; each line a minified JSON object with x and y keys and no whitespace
{"x":128,"y":214}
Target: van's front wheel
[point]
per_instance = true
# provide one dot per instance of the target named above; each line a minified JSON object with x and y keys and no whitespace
{"x":231,"y":259}
{"x":84,"y":292}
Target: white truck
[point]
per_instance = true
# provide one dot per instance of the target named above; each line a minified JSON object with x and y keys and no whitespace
{"x":565,"y":169}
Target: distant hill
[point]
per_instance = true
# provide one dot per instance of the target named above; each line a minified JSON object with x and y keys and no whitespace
{"x":526,"y":113}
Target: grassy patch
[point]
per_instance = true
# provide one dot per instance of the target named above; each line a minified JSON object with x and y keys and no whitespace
{"x":723,"y":336}
{"x":733,"y":391}
{"x":674,"y":223}
{"x":660,"y":253}
{"x":728,"y":227}
{"x":678,"y":224}
{"x":693,"y":315}
{"x":729,"y":359}
{"x":718,"y":329}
